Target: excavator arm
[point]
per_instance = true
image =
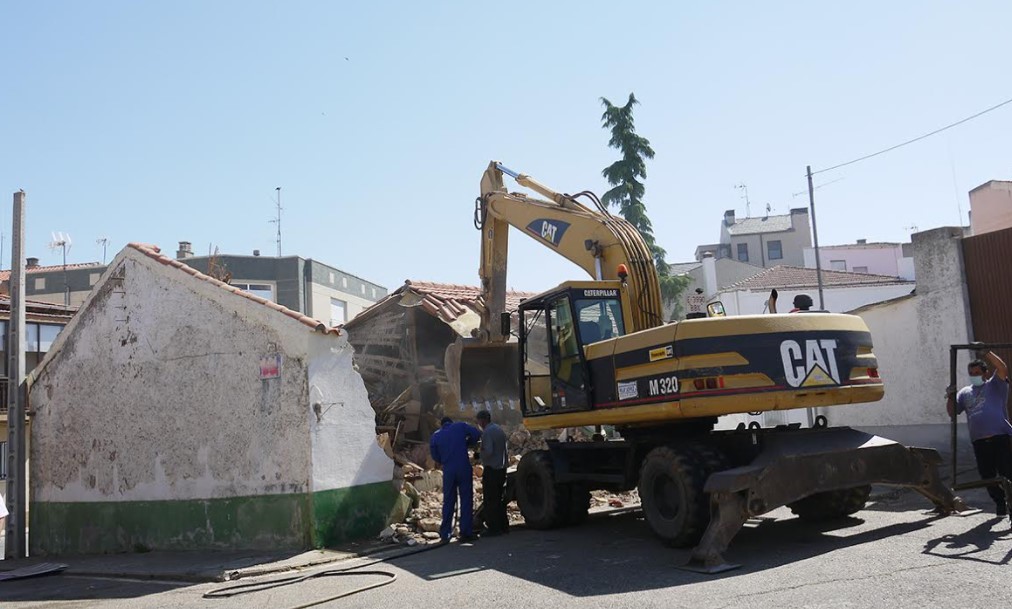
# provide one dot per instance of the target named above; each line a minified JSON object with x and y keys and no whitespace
{"x":605,"y":246}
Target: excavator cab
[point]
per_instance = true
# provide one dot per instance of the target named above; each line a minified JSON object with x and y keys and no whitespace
{"x":555,"y":328}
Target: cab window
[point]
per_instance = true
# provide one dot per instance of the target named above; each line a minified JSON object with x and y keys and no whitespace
{"x":600,"y":319}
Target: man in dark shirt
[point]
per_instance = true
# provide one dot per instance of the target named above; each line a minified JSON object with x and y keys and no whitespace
{"x":493,"y":477}
{"x":985,"y":402}
{"x":449,"y":450}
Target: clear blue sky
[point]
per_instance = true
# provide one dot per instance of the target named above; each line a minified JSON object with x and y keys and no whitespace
{"x":161,"y":122}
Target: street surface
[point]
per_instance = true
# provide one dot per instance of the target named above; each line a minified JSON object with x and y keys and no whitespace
{"x":893,"y":554}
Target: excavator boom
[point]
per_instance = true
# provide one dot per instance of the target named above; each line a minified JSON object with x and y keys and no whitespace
{"x":605,"y":246}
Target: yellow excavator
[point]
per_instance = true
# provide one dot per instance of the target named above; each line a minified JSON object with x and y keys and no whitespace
{"x":599,"y":353}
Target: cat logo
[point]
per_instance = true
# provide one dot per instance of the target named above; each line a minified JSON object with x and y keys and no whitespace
{"x":811,"y":363}
{"x":548,"y":230}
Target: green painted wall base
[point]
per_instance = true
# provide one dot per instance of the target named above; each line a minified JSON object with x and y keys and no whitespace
{"x":258,"y":522}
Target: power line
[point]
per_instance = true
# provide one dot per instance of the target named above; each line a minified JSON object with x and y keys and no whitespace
{"x":916,"y":139}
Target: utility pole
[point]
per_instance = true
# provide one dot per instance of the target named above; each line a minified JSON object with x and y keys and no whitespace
{"x":16,"y":458}
{"x":815,"y":237}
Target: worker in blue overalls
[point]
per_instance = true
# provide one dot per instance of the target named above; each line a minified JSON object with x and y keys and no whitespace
{"x":449,"y":449}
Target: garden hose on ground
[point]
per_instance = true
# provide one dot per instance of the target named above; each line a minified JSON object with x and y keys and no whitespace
{"x":260,"y":586}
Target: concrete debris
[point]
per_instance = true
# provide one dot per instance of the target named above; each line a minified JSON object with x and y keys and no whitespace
{"x":387,"y":533}
{"x":428,"y":525}
{"x":430,"y":535}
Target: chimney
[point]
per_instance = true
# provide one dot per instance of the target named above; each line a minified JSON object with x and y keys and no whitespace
{"x":709,"y":274}
{"x":862,"y":241}
{"x":31,"y":263}
{"x":185,"y":250}
{"x":256,"y":252}
{"x":729,"y":217}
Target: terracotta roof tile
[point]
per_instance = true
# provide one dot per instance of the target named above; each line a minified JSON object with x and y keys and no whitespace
{"x":449,"y":301}
{"x":6,"y":274}
{"x":154,"y":252}
{"x":784,"y":276}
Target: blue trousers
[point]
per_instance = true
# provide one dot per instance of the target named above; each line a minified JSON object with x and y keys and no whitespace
{"x":457,"y":481}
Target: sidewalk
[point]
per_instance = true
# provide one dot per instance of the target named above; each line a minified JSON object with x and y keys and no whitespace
{"x":209,"y":566}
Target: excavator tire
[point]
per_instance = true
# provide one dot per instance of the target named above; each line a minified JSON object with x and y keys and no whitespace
{"x":579,"y":504}
{"x":544,"y":503}
{"x":831,"y":505}
{"x":671,"y":494}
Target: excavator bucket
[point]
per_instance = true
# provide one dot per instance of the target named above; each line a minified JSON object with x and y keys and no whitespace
{"x":795,"y":464}
{"x":489,"y":376}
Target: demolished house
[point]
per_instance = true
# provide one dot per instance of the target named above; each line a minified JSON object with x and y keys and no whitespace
{"x":416,"y":353}
{"x":177,"y":412}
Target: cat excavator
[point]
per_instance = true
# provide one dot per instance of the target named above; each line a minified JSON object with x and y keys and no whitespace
{"x":598,"y":353}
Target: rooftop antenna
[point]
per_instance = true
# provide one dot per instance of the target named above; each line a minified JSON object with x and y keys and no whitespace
{"x":62,"y":241}
{"x":912,"y":228}
{"x":278,"y":219}
{"x":748,"y":204}
{"x":104,"y":242}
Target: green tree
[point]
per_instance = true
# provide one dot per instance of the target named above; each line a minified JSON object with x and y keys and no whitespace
{"x":625,"y":176}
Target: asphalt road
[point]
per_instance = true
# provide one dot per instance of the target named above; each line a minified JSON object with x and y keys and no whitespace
{"x":893,"y":554}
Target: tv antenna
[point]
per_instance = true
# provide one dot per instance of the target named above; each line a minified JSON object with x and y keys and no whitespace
{"x":277,"y":220}
{"x":104,"y":242}
{"x":912,"y":228}
{"x":748,"y":204}
{"x":62,"y":241}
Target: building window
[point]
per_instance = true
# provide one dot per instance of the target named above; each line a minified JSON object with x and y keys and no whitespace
{"x":363,"y":288}
{"x":860,"y":269}
{"x":743,"y":252}
{"x":331,"y":277}
{"x":344,"y":282}
{"x":40,"y":283}
{"x":838,"y":265}
{"x":338,"y":312}
{"x":774,"y":251}
{"x":374,"y":292}
{"x":263,"y":290}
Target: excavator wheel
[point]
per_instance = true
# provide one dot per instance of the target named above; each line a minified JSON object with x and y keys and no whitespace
{"x":671,"y":493}
{"x":831,"y":505}
{"x":544,"y":503}
{"x":579,"y":504}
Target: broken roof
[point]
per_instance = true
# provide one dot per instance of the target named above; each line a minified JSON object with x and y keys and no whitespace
{"x":784,"y":276}
{"x":458,"y":306}
{"x":154,"y":252}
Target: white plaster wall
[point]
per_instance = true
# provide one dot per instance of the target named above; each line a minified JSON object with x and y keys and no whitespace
{"x":879,"y":260}
{"x":991,"y":207}
{"x":343,"y":432}
{"x":320,"y":303}
{"x":155,"y":394}
{"x":838,"y":300}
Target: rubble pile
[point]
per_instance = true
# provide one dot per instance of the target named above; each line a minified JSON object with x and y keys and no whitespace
{"x":418,"y":511}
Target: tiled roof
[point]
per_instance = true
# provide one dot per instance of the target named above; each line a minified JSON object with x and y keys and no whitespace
{"x":783,"y":276}
{"x":752,"y":226}
{"x":6,"y":274}
{"x":154,"y":252}
{"x":449,"y":301}
{"x":680,"y":268}
{"x":36,"y":310}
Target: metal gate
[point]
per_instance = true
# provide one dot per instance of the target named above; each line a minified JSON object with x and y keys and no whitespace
{"x":987,"y":260}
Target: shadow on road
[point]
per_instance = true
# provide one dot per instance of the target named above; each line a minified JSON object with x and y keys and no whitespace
{"x":586,"y":561}
{"x":969,"y":544}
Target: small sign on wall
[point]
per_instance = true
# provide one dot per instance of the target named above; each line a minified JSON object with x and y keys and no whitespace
{"x":270,"y":366}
